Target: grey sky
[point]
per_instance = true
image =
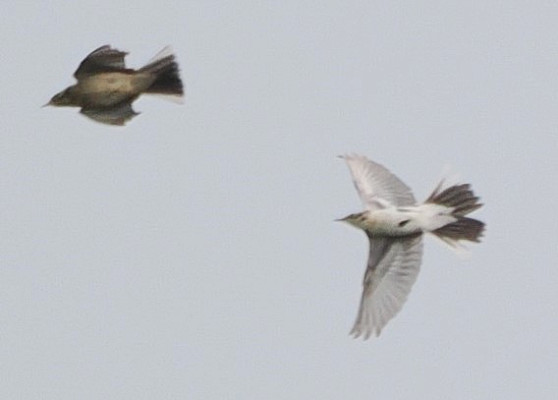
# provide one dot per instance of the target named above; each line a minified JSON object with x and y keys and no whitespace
{"x":193,"y":255}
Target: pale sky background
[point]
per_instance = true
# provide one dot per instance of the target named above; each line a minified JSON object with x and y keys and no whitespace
{"x":193,"y":255}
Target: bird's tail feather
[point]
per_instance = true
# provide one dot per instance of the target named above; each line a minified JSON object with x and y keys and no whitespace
{"x":463,"y":229}
{"x":459,"y":197}
{"x":167,"y":81}
{"x":463,"y":201}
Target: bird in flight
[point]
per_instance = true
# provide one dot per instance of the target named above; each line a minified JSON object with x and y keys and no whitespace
{"x":395,"y":224}
{"x":106,"y":89}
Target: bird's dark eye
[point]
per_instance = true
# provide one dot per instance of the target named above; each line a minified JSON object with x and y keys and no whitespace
{"x":403,"y":223}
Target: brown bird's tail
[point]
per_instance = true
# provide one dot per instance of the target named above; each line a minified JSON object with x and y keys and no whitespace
{"x":165,"y":68}
{"x":462,"y":200}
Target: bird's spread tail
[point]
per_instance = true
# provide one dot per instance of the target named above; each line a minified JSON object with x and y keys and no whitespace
{"x":462,"y":201}
{"x":165,"y":68}
{"x":463,"y":229}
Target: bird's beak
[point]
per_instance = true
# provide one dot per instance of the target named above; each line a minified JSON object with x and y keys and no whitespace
{"x":47,"y":104}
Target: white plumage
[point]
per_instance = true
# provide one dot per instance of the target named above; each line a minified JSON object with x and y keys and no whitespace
{"x":395,"y":224}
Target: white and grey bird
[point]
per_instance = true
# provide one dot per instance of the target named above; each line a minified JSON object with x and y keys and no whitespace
{"x":395,"y":224}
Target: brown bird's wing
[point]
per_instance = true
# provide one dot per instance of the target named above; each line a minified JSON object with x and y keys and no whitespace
{"x":393,"y":267}
{"x":117,"y":115}
{"x":104,"y":59}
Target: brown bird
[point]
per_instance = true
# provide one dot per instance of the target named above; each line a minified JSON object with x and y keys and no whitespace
{"x":106,"y":89}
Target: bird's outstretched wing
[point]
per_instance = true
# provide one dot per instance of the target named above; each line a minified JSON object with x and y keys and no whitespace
{"x":393,"y":267}
{"x":376,"y":185}
{"x":117,"y":115}
{"x":104,"y":59}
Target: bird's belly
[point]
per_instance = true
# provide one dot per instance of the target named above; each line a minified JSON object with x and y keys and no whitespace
{"x":391,"y":222}
{"x":108,"y":89}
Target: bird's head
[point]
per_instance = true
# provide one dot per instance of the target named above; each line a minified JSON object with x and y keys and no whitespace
{"x":64,"y":98}
{"x":357,"y":219}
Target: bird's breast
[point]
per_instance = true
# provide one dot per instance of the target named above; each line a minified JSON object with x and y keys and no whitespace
{"x":391,"y":222}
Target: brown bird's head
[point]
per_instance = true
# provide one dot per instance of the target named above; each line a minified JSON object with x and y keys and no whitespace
{"x":64,"y":98}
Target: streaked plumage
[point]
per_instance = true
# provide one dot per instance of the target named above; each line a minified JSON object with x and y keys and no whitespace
{"x":106,"y":89}
{"x":394,"y":224}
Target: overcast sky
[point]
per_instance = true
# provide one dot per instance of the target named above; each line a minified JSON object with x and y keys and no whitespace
{"x":193,"y":255}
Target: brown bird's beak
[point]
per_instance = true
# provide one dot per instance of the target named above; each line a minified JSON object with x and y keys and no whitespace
{"x":47,"y":104}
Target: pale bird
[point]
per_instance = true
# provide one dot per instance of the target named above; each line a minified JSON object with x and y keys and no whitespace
{"x":395,"y":224}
